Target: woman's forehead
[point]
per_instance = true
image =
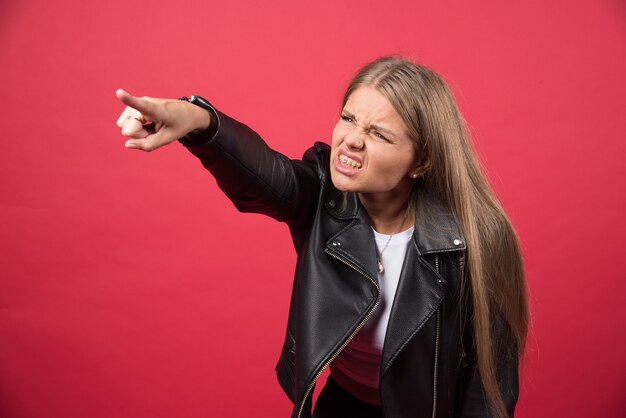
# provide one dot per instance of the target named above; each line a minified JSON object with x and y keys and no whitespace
{"x":368,"y":103}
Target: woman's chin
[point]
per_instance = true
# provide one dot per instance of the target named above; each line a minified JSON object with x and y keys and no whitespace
{"x":342,"y":182}
{"x":342,"y":187}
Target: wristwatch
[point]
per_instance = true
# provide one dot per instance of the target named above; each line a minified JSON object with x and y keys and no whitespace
{"x":198,"y":138}
{"x":198,"y":101}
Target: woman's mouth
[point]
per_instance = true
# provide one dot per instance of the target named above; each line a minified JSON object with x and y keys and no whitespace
{"x":349,"y":162}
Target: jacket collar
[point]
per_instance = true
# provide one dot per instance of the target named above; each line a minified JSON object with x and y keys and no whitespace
{"x":436,"y":228}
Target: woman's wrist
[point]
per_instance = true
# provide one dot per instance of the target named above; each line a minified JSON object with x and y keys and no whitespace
{"x":201,"y":119}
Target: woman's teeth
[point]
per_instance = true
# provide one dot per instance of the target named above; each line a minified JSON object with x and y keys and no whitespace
{"x":349,"y":161}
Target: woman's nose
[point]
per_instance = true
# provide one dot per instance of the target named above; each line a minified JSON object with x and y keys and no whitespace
{"x":354,"y":140}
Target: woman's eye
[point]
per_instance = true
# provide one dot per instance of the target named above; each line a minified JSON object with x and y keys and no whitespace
{"x":346,"y":119}
{"x":380,"y":136}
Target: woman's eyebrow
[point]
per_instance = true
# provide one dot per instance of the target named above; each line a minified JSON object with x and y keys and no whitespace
{"x":348,"y":113}
{"x":382,"y":130}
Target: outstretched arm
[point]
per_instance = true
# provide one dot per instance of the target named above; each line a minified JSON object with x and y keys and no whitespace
{"x":254,"y":177}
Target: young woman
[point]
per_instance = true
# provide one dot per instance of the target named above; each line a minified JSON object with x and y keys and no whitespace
{"x":409,"y":282}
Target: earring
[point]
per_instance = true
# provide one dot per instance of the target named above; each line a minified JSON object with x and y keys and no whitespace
{"x":414,"y":175}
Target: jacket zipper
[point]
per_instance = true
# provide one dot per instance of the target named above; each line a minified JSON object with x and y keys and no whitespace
{"x":347,"y":341}
{"x":437,"y":334}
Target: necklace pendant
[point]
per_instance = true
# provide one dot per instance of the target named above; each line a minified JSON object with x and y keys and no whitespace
{"x":380,"y":267}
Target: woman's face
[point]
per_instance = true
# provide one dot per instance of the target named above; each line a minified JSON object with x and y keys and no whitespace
{"x":371,"y":151}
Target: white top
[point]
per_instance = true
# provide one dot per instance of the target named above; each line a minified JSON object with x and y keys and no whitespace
{"x":361,"y":358}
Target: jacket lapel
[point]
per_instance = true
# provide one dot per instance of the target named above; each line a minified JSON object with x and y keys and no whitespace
{"x":421,"y":288}
{"x":353,"y":243}
{"x":418,"y":296}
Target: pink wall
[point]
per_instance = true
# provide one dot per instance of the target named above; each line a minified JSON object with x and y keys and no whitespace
{"x":130,"y":287}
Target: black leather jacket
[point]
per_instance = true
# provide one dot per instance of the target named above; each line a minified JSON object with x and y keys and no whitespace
{"x":428,"y":366}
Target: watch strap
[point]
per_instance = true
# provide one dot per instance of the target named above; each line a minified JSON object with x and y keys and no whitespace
{"x":200,"y":138}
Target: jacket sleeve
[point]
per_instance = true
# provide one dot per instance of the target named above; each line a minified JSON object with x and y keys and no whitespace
{"x":255,"y":177}
{"x":472,"y":399}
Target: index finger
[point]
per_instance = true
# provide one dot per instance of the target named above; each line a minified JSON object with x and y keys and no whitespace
{"x":145,"y":107}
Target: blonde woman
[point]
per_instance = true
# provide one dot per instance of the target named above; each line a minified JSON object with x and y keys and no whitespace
{"x":409,"y":283}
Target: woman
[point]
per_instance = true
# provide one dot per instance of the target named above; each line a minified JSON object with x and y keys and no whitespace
{"x":409,"y":283}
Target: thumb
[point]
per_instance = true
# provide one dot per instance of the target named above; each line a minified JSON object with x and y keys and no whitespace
{"x":143,"y":105}
{"x":152,"y":141}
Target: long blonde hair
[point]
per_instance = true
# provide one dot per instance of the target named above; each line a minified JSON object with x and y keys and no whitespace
{"x":496,"y":275}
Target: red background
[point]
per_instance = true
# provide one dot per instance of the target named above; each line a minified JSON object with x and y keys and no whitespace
{"x":130,"y":287}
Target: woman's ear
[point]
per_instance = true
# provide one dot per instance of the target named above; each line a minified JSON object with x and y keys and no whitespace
{"x":420,"y":170}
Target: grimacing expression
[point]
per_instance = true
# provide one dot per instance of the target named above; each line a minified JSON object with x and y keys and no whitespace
{"x":371,"y":151}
